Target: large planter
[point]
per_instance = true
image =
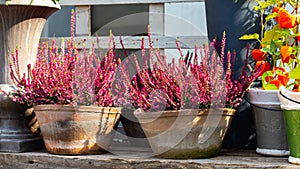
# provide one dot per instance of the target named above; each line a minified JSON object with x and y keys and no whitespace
{"x":14,"y":135}
{"x":21,"y":26}
{"x":186,"y":133}
{"x":269,"y":122}
{"x":290,"y":103}
{"x":77,"y":130}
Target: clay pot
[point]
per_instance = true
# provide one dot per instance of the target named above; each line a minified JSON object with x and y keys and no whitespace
{"x":77,"y":130}
{"x":184,"y":134}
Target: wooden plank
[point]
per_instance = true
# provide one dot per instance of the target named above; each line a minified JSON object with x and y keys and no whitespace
{"x":157,"y":18}
{"x":134,"y":42}
{"x":83,"y":20}
{"x":139,"y":158}
{"x":114,"y":2}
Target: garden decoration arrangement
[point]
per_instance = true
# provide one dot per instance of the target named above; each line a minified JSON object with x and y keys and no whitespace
{"x":278,"y":57}
{"x":21,"y":26}
{"x":70,"y":92}
{"x":182,"y":106}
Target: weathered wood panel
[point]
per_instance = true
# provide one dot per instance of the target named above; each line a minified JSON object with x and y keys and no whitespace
{"x":111,"y":2}
{"x":134,"y":42}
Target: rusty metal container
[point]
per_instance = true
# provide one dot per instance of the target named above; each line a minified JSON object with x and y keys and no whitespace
{"x":75,"y":130}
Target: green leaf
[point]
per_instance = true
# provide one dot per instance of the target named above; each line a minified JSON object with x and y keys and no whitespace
{"x":268,"y":86}
{"x":271,"y":16}
{"x":268,"y":50}
{"x":271,"y":35}
{"x":254,"y":36}
{"x":295,"y":73}
{"x":284,"y":31}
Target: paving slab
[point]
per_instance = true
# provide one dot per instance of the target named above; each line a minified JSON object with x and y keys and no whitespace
{"x":136,"y":158}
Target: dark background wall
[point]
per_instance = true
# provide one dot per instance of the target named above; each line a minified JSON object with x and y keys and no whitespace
{"x":236,"y":19}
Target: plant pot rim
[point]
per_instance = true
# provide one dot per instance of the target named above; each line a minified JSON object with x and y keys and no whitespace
{"x":72,"y":108}
{"x":288,"y":104}
{"x":260,"y":97}
{"x":44,"y":3}
{"x":261,"y":89}
{"x":185,"y":112}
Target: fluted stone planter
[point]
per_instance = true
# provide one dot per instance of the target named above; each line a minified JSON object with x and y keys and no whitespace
{"x":21,"y":24}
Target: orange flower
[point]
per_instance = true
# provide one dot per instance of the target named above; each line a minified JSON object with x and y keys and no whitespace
{"x":263,"y":66}
{"x":285,"y":19}
{"x":285,"y":52}
{"x":296,"y":88}
{"x":276,"y":82}
{"x":284,"y":79}
{"x":276,"y":9}
{"x":281,"y":69}
{"x":269,"y":78}
{"x":258,"y":55}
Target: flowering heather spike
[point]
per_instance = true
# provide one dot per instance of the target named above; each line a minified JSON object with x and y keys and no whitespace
{"x":179,"y":48}
{"x":233,"y":57}
{"x":223,"y":45}
{"x":123,"y":48}
{"x":73,"y":22}
{"x":151,"y":55}
{"x":66,"y":76}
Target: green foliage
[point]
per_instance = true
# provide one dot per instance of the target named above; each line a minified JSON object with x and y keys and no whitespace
{"x":254,"y":36}
{"x":295,"y":73}
{"x":279,"y":42}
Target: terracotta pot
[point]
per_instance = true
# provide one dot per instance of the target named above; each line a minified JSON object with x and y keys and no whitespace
{"x":186,"y":133}
{"x":77,"y":130}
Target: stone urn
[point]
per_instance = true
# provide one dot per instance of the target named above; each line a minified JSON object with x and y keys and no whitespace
{"x":22,"y":22}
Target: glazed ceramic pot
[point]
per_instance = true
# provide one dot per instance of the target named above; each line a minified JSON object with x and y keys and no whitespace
{"x":290,"y":104}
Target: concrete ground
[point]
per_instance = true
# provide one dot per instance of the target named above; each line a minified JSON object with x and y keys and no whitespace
{"x":138,"y":158}
{"x":123,"y":155}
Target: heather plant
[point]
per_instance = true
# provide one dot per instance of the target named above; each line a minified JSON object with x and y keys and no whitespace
{"x":152,"y":87}
{"x":197,"y":80}
{"x":66,"y":75}
{"x":215,"y":78}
